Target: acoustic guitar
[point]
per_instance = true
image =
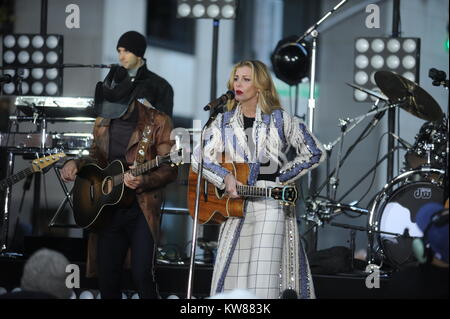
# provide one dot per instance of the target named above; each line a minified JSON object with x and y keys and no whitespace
{"x":216,"y":207}
{"x":97,"y":189}
{"x":37,"y":165}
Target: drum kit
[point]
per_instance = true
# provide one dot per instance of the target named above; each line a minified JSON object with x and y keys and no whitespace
{"x":391,"y":214}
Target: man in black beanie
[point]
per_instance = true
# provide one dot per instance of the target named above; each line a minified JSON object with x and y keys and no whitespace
{"x":130,"y":101}
{"x":149,"y":86}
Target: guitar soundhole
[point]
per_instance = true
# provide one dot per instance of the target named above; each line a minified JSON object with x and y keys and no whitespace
{"x":107,"y":185}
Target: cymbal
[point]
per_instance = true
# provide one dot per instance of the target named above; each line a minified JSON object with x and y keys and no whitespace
{"x":378,"y":95}
{"x":409,"y":96}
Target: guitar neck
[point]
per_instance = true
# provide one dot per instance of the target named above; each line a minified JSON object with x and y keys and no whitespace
{"x":139,"y":170}
{"x":253,"y":191}
{"x":11,"y":180}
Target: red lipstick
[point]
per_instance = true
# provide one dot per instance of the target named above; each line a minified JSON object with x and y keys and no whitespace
{"x":239,"y":92}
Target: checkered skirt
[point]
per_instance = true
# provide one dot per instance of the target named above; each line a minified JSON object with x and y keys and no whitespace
{"x":262,"y":252}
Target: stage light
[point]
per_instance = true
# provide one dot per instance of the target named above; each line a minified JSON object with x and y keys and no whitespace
{"x":23,"y":41}
{"x":362,"y":45}
{"x":9,"y":56}
{"x":51,"y":74}
{"x":399,"y":55}
{"x":36,"y":56}
{"x":361,"y":78}
{"x":23,"y":57}
{"x":183,"y":10}
{"x":37,"y":88}
{"x":9,"y":41}
{"x":86,"y":295}
{"x":207,"y":9}
{"x":393,"y":62}
{"x":135,"y":296}
{"x":37,"y":73}
{"x":362,"y":61}
{"x":290,"y":61}
{"x":37,"y":42}
{"x":393,"y":45}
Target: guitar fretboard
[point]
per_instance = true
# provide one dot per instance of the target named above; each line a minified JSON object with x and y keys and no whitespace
{"x":9,"y":181}
{"x":139,"y":170}
{"x":253,"y":191}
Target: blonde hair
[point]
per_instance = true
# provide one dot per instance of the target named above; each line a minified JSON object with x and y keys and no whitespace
{"x":268,"y":98}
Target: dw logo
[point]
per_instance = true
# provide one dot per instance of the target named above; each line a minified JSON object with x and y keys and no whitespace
{"x":423,"y":193}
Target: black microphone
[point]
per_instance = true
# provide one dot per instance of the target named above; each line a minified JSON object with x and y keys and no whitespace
{"x":6,"y":78}
{"x":401,"y":141}
{"x":220,"y":101}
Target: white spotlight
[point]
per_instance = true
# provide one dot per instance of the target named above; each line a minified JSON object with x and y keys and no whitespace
{"x":86,"y":295}
{"x":377,"y":45}
{"x":23,"y":57}
{"x":409,"y":45}
{"x":25,"y":88}
{"x":228,"y":11}
{"x":362,"y":45}
{"x":393,"y":45}
{"x":361,"y":77}
{"x":360,"y":95}
{"x":361,"y":61}
{"x":51,"y":74}
{"x":409,"y":62}
{"x":410,"y":76}
{"x":51,"y":42}
{"x":37,"y":57}
{"x":51,"y":57}
{"x":184,"y":10}
{"x":37,"y":42}
{"x":9,"y":56}
{"x":9,"y":41}
{"x":198,"y":10}
{"x":51,"y":88}
{"x":393,"y":61}
{"x":23,"y":41}
{"x":377,"y":61}
{"x":9,"y":88}
{"x":213,"y":11}
{"x":37,"y":88}
{"x":37,"y":73}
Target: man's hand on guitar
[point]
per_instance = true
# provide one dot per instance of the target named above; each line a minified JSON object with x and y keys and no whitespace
{"x":69,"y":171}
{"x":230,"y":186}
{"x":131,"y":181}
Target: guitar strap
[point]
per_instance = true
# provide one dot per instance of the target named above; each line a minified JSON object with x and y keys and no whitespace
{"x":143,"y":145}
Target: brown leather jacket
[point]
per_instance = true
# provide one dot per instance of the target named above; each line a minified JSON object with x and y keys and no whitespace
{"x":149,"y":196}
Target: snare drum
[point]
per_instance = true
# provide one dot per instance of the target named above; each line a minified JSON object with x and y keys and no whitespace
{"x":392,"y":218}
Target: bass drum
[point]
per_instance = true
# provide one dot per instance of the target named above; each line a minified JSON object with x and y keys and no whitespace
{"x":392,"y":219}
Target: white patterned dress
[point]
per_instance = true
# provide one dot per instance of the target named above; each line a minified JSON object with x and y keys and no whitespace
{"x":261,"y":252}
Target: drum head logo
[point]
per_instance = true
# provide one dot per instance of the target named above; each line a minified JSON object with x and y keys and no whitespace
{"x":423,"y":193}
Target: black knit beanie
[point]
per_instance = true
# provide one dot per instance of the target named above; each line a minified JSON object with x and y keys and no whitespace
{"x":134,"y":42}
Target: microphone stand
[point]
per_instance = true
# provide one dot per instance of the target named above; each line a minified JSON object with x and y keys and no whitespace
{"x":312,"y":31}
{"x":212,"y":117}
